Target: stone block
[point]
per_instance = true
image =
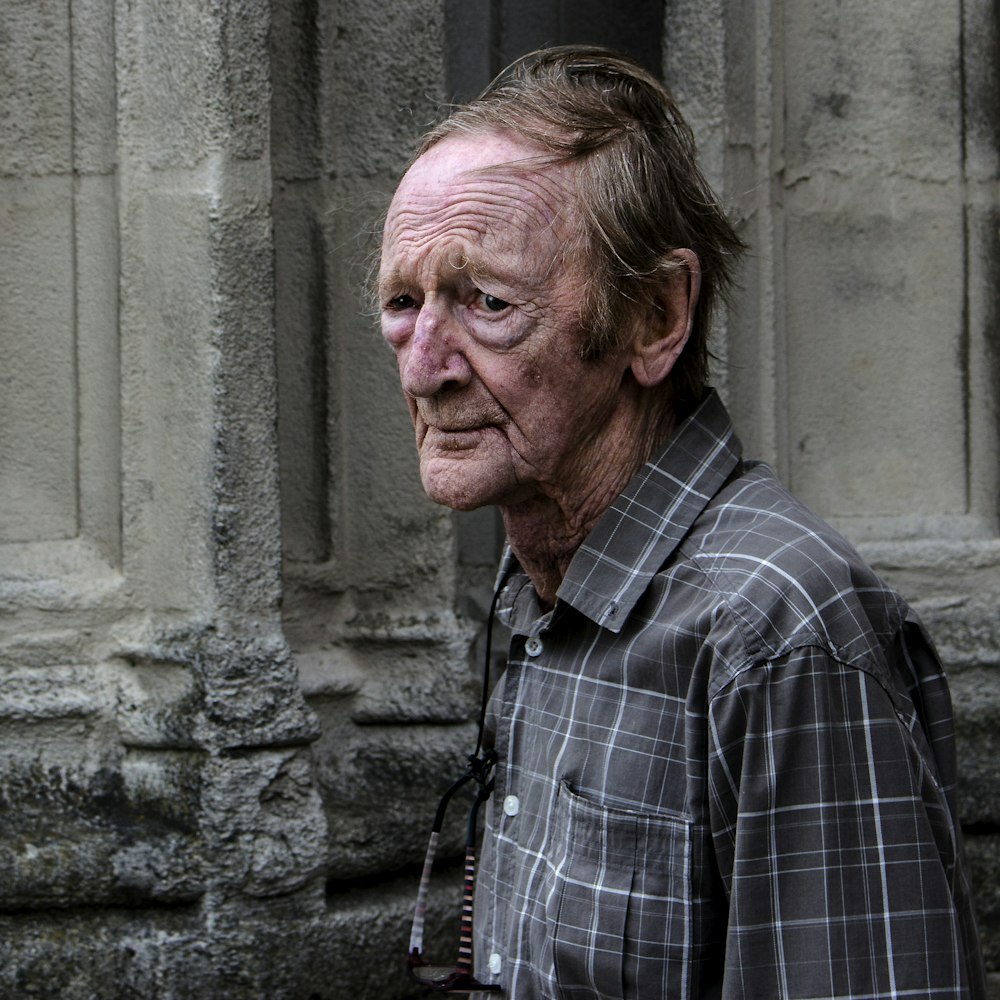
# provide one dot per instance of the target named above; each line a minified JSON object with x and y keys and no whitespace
{"x":193,"y":81}
{"x":262,"y":822}
{"x":83,"y":954}
{"x":381,"y":786}
{"x":168,"y":363}
{"x":252,"y":696}
{"x":981,"y":120}
{"x":694,"y":43}
{"x":244,"y":30}
{"x":873,"y":349}
{"x":85,"y":825}
{"x":405,"y":668}
{"x":164,"y":786}
{"x":965,"y":629}
{"x":38,"y":383}
{"x":871,"y":89}
{"x":74,"y":833}
{"x":158,"y":704}
{"x":199,"y":385}
{"x":168,"y":72}
{"x":36,"y":89}
{"x":287,"y":948}
{"x":95,"y":127}
{"x":211,"y":691}
{"x":361,"y":45}
{"x":57,"y":697}
{"x":982,"y":221}
{"x":246,"y":524}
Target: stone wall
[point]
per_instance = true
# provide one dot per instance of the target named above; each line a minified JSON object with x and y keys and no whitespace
{"x":237,"y":644}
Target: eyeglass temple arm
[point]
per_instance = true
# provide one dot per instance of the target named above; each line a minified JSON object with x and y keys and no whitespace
{"x":417,"y":930}
{"x":465,"y":933}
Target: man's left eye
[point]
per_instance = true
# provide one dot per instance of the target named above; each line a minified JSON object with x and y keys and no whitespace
{"x":493,"y":304}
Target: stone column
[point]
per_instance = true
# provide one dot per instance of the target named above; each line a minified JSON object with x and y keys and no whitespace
{"x":156,"y":780}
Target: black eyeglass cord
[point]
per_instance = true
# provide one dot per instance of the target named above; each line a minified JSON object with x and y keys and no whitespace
{"x":480,"y":766}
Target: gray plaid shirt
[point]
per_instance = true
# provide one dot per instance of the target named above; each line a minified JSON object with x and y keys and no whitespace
{"x":726,"y":764}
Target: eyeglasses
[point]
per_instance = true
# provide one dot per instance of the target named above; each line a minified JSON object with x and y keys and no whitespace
{"x":457,"y":978}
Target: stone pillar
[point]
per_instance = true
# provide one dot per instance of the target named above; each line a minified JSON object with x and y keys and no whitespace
{"x":157,"y":786}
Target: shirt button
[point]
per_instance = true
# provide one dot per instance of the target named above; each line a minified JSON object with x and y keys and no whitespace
{"x":496,"y":963}
{"x":533,"y":646}
{"x":511,"y":805}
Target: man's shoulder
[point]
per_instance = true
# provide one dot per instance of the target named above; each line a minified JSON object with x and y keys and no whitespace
{"x":787,"y":576}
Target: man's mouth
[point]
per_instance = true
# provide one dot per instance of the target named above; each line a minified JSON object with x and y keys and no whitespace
{"x":452,"y":435}
{"x":455,"y":428}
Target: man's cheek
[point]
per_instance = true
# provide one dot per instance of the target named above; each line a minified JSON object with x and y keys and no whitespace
{"x":411,"y":405}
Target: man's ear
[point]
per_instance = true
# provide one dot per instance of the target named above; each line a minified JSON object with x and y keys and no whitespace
{"x":657,"y":347}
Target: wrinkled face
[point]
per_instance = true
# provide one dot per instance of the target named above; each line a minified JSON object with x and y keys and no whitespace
{"x":481,"y":287}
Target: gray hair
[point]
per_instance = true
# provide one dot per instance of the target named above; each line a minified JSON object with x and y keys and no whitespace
{"x":639,"y":188}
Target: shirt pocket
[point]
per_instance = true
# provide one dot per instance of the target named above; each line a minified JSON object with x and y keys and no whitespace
{"x":618,"y":903}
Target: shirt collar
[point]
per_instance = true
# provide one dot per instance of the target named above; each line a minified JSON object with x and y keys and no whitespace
{"x":639,"y":531}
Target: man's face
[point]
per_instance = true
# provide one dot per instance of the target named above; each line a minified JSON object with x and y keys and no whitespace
{"x":481,"y":287}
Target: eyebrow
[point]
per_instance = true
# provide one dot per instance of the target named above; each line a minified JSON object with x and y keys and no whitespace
{"x":477,"y":267}
{"x":481,"y":271}
{"x":388,"y":279}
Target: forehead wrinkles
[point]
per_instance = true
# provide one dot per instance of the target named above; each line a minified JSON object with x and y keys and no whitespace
{"x":504,"y":207}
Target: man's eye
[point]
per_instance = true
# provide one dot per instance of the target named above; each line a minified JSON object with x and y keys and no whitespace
{"x":493,"y":304}
{"x":401,"y":303}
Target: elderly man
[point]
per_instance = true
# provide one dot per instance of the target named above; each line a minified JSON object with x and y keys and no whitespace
{"x":724,"y":755}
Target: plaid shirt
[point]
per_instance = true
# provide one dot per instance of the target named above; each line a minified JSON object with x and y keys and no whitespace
{"x":726,"y":764}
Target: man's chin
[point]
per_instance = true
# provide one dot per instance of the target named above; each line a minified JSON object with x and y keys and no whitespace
{"x":460,"y":485}
{"x":453,"y":495}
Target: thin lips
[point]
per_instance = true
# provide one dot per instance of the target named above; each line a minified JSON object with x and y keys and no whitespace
{"x":455,"y":426}
{"x":456,"y":423}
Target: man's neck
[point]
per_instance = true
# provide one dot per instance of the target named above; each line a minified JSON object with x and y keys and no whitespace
{"x":546,"y":530}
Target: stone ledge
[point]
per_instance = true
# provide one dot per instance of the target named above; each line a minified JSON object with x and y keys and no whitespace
{"x":296,"y":947}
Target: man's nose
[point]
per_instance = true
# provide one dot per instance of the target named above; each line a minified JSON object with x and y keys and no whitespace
{"x":433,"y":357}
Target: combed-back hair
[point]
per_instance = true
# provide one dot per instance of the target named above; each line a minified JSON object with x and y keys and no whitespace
{"x":640,"y":190}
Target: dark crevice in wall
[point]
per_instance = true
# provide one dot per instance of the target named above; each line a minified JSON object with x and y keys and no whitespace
{"x":982,"y":828}
{"x":446,"y":871}
{"x":188,"y":908}
{"x":480,"y":43}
